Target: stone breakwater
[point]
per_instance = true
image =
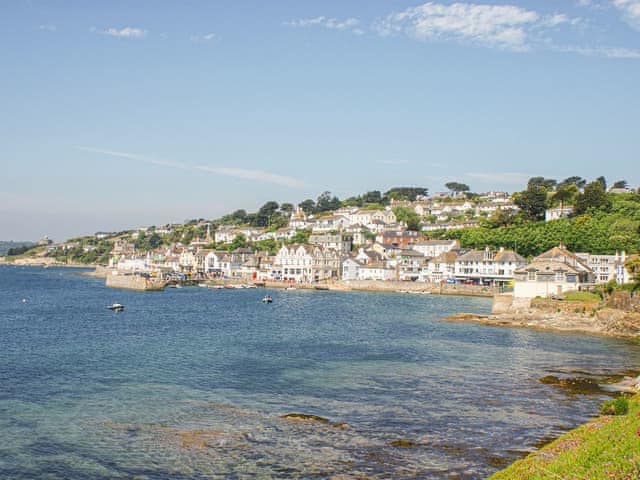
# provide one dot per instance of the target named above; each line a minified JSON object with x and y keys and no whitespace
{"x":557,"y":315}
{"x":116,"y":279}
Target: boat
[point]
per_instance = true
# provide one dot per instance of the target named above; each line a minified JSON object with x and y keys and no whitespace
{"x":321,"y":287}
{"x":116,"y":307}
{"x":291,"y":288}
{"x":267,"y":299}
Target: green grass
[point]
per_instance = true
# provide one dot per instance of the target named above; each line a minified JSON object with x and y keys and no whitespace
{"x":581,"y":297}
{"x":605,"y":448}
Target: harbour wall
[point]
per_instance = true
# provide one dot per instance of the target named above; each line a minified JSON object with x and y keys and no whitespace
{"x":116,"y":279}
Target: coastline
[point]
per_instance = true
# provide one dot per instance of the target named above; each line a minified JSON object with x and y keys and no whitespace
{"x":608,"y":322}
{"x":579,"y":453}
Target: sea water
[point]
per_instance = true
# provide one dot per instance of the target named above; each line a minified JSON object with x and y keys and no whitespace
{"x":193,"y":383}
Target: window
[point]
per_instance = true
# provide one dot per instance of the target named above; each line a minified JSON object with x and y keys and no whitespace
{"x":531,"y":275}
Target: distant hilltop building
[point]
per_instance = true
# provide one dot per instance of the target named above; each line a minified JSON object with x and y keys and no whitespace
{"x":558,"y":213}
{"x":45,"y":241}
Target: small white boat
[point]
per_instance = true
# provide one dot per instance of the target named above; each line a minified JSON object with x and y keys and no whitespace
{"x":291,"y":288}
{"x":116,"y":307}
{"x":267,"y":299}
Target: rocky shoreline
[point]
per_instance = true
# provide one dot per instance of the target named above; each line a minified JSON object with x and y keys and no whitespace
{"x":608,"y":322}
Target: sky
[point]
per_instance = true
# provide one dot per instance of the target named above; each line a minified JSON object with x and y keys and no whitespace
{"x":130,"y":113}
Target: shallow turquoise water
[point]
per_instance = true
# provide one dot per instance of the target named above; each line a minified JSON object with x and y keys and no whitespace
{"x":191,"y":383}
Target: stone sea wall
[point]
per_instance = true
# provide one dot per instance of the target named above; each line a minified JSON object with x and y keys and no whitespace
{"x":435,"y":288}
{"x":548,"y":314}
{"x":132,"y":282}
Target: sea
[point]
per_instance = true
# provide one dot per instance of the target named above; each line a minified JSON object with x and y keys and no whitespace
{"x":196,"y":383}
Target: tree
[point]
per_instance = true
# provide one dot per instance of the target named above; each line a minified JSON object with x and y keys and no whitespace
{"x":593,"y":197}
{"x":546,"y":183}
{"x":373,"y":196}
{"x":308,"y":206}
{"x":457,"y":187}
{"x":326,"y":202}
{"x":501,"y":218}
{"x":564,"y":193}
{"x":408,"y":216}
{"x":603,"y":182}
{"x":287,"y":208}
{"x":236,"y":218}
{"x":633,"y":266}
{"x":239,"y":241}
{"x":301,"y":237}
{"x":264,"y":214}
{"x":154,"y":241}
{"x":532,"y":201}
{"x":404,"y":193}
{"x":621,"y":184}
{"x":577,"y":181}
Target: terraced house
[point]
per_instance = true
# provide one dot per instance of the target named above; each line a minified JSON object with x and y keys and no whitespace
{"x":488,"y":267}
{"x":305,"y":264}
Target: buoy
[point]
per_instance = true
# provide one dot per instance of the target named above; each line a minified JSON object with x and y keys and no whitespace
{"x":24,"y":300}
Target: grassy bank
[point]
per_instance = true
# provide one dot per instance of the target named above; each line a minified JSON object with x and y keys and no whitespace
{"x":605,"y":448}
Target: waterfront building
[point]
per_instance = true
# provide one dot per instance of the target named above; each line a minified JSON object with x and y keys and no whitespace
{"x":340,"y":242}
{"x":487,"y":267}
{"x":441,"y":268}
{"x":305,"y":263}
{"x":607,"y":267}
{"x":552,"y":273}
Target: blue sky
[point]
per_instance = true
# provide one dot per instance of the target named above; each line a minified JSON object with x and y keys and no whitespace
{"x":125,"y":113}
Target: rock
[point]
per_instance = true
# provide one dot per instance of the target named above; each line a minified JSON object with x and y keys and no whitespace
{"x":341,"y":425}
{"x":304,"y":417}
{"x":576,"y":385}
{"x":403,"y":443}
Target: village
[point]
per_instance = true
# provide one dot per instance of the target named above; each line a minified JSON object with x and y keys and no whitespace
{"x":352,"y":246}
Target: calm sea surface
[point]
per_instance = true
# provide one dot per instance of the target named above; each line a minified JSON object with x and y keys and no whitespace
{"x":191,"y":383}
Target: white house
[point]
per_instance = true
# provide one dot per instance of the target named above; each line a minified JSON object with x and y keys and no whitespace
{"x":305,"y":263}
{"x":328,"y":223}
{"x":352,"y":269}
{"x":433,"y":248}
{"x":368,"y":217}
{"x":607,"y":267}
{"x":552,"y":273}
{"x":337,"y":241}
{"x":440,"y":269}
{"x":558,"y":212}
{"x":488,"y":267}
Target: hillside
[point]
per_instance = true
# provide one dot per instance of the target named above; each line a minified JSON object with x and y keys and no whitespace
{"x":6,"y":245}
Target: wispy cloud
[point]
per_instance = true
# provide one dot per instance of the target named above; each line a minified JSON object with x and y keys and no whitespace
{"x":630,"y":10}
{"x":507,"y":178}
{"x":48,"y":28}
{"x":258,"y":175}
{"x":247,"y":174}
{"x":507,"y":27}
{"x":351,"y":24}
{"x":606,"y":52}
{"x":205,"y":38}
{"x":125,"y":32}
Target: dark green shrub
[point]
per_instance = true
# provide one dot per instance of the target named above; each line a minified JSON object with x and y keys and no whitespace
{"x":619,"y":406}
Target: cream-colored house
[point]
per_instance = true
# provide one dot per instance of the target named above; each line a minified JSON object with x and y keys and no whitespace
{"x":552,"y":273}
{"x":305,"y":263}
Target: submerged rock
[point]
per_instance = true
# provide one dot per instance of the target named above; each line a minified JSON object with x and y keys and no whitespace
{"x":579,"y":385}
{"x":304,"y":417}
{"x":403,"y":443}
